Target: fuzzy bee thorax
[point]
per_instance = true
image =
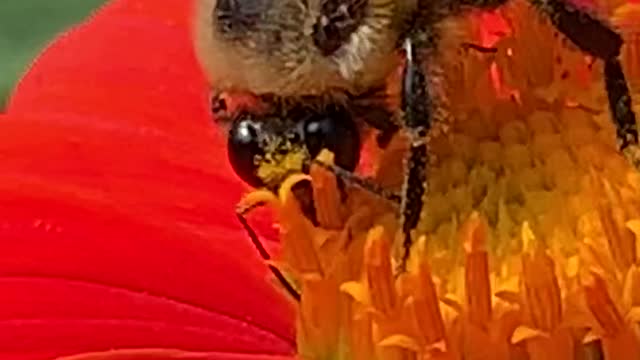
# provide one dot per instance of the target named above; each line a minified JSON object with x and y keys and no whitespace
{"x":293,"y":47}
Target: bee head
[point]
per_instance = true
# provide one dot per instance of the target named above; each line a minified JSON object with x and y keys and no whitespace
{"x":297,"y":47}
{"x":264,"y":148}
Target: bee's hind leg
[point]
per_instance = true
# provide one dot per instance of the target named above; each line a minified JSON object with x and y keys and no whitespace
{"x":597,"y":39}
{"x":622,"y":111}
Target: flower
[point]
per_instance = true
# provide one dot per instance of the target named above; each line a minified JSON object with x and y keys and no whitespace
{"x":117,"y":231}
{"x":527,"y":243}
{"x":119,"y":240}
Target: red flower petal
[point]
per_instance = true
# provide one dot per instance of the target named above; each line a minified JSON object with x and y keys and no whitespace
{"x":129,"y":263}
{"x":116,"y":202}
{"x":132,"y":69}
{"x":166,"y":354}
{"x":132,"y":64}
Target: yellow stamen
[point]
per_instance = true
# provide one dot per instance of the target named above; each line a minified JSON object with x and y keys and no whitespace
{"x":618,"y":339}
{"x":425,"y":302}
{"x":477,"y":284}
{"x":329,"y":207}
{"x":297,"y":231}
{"x":379,"y":275}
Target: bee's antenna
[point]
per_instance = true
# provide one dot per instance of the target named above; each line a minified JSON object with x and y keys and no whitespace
{"x":241,"y":213}
{"x":363,"y":183}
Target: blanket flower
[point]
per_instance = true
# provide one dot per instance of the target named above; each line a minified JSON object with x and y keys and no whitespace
{"x":119,"y":239}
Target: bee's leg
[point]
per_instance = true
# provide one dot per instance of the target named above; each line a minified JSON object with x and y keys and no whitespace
{"x":418,"y":109}
{"x":241,"y":213}
{"x":597,"y":39}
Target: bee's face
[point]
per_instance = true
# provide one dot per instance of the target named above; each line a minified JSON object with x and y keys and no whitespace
{"x":265,"y":148}
{"x":296,"y":47}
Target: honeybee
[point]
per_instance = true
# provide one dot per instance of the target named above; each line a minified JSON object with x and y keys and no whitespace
{"x":314,"y":63}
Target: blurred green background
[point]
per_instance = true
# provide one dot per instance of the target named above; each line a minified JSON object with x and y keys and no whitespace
{"x":26,"y":26}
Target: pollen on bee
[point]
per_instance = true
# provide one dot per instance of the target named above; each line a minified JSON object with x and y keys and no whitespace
{"x":276,"y":164}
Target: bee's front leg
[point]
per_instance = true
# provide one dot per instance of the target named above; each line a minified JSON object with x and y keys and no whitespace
{"x":596,"y":38}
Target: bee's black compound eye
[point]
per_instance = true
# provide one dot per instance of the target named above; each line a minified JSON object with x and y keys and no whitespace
{"x":263,"y":149}
{"x":245,"y":143}
{"x":334,"y":130}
